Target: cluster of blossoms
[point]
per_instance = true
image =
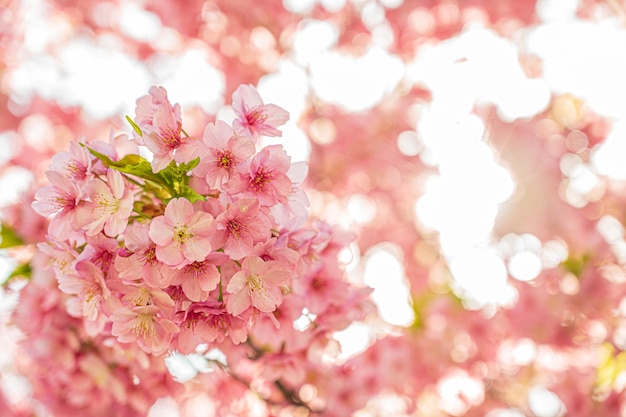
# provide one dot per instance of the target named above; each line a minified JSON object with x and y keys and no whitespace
{"x":206,"y":245}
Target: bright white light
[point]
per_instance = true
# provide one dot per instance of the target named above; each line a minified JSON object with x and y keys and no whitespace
{"x":138,"y":23}
{"x":9,"y":143}
{"x":312,"y":38}
{"x":409,"y":143}
{"x":545,"y":403}
{"x":573,"y":63}
{"x":459,"y":392}
{"x":354,"y":339}
{"x":362,"y":208}
{"x":385,"y":274}
{"x":98,"y":79}
{"x":338,"y":78}
{"x":190,"y":80}
{"x":480,"y":272}
{"x":608,"y":157}
{"x":553,"y":10}
{"x":14,"y":182}
{"x":299,"y":6}
{"x":478,"y":65}
{"x":525,"y":266}
{"x":180,"y":368}
{"x":333,"y":6}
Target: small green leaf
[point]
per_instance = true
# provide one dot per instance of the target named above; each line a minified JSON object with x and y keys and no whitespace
{"x":23,"y":270}
{"x":576,"y":264}
{"x":191,"y":195}
{"x":9,"y":238}
{"x":130,"y":164}
{"x":134,"y":125}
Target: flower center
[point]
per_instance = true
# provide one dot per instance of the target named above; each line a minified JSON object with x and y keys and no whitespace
{"x":225,"y":159}
{"x":195,"y":269}
{"x":235,"y":228}
{"x":148,"y":257}
{"x":170,"y":139}
{"x":144,"y":325}
{"x":182,"y":234}
{"x":261,"y":178}
{"x":256,"y":116}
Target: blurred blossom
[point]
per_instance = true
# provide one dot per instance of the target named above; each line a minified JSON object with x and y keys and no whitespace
{"x":434,"y":226}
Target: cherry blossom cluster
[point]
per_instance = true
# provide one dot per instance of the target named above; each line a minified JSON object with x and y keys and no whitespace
{"x":206,"y":245}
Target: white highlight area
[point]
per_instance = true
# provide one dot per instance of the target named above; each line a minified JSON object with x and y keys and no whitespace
{"x":385,"y":274}
{"x":482,"y":273}
{"x":461,"y":202}
{"x":544,"y":403}
{"x":608,"y":157}
{"x":525,"y":266}
{"x":459,"y":392}
{"x":478,"y":65}
{"x":340,"y":79}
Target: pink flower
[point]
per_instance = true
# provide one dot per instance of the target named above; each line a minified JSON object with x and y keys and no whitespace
{"x":161,"y":124}
{"x":144,"y":325}
{"x":199,"y":277}
{"x":240,"y":227}
{"x":109,"y":207}
{"x":59,"y":199}
{"x":265,"y":177}
{"x":181,"y":235}
{"x":141,"y":262}
{"x":257,"y":285}
{"x":209,"y":322}
{"x":225,"y":151}
{"x":89,"y":286}
{"x":255,"y":118}
{"x":75,"y":164}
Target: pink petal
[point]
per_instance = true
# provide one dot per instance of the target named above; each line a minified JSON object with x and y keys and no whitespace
{"x":254,"y":264}
{"x":237,"y":282}
{"x":116,"y":183}
{"x":170,"y":255}
{"x":160,"y":232}
{"x":197,"y":249}
{"x":179,"y":210}
{"x":237,"y":303}
{"x":200,"y":222}
{"x":267,"y":300}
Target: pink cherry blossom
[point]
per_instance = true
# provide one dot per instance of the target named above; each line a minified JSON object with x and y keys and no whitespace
{"x":89,"y":287}
{"x":240,"y":227}
{"x":144,"y":325}
{"x":161,"y":124}
{"x":257,"y":285}
{"x":59,"y":199}
{"x":141,"y":261}
{"x":109,"y":206}
{"x":181,"y":235}
{"x":209,"y":322}
{"x":75,"y":164}
{"x":198,"y":278}
{"x":226,"y":150}
{"x":265,"y":177}
{"x":255,"y":118}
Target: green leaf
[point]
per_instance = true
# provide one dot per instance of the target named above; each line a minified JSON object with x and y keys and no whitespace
{"x":130,"y":164}
{"x":9,"y":238}
{"x":576,"y":264}
{"x":171,"y":182}
{"x":134,"y":125}
{"x":23,"y":270}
